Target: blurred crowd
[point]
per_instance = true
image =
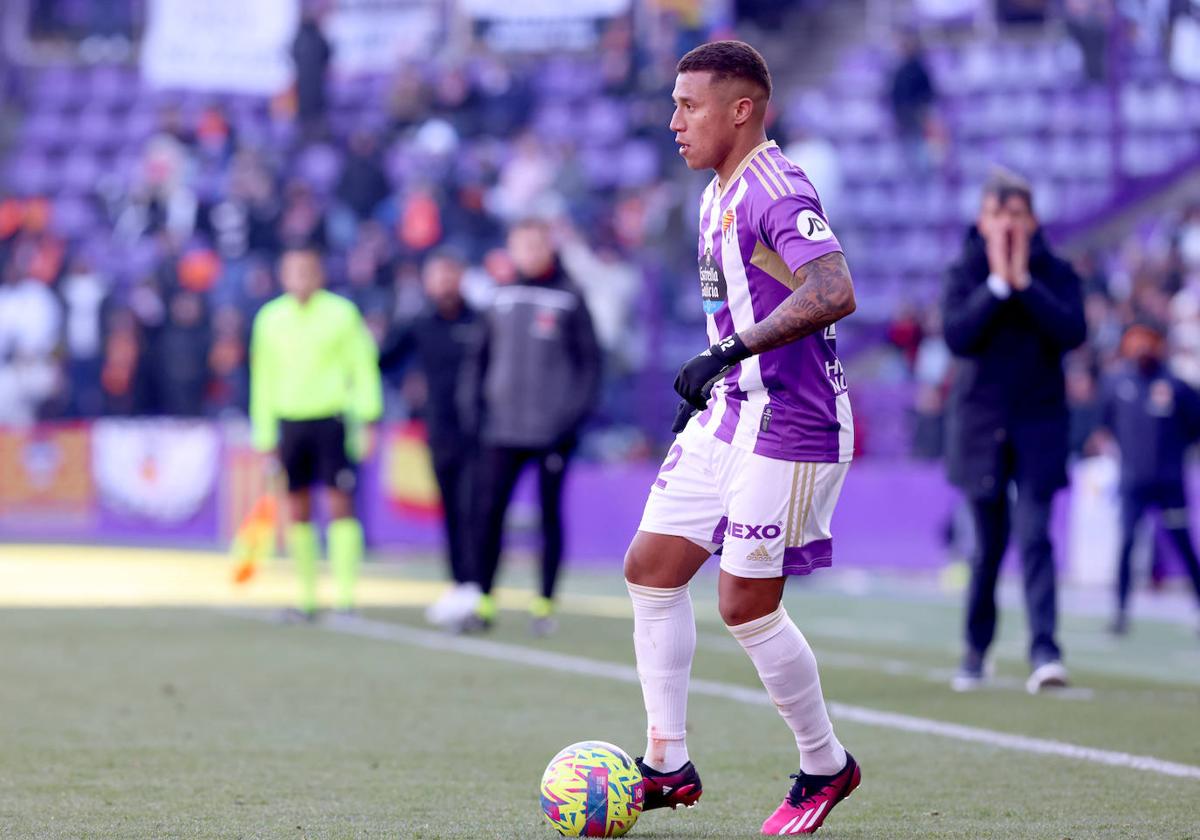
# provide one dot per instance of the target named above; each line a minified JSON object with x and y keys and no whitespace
{"x":450,"y":154}
{"x":451,"y":157}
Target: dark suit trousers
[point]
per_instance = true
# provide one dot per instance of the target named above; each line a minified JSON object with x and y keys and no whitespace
{"x":454,"y":468}
{"x":1171,"y":501}
{"x":1029,"y":519}
{"x":500,"y":467}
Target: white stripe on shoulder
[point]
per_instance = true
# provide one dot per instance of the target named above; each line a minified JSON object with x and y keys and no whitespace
{"x":536,"y":295}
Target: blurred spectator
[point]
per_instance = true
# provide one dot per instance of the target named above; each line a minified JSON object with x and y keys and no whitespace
{"x":363,"y":182}
{"x":912,"y":97}
{"x":84,"y":293}
{"x":819,"y":160}
{"x":1083,"y":402}
{"x":214,"y":137}
{"x":1022,"y":11}
{"x":905,"y":333}
{"x":1154,"y":418}
{"x":161,"y":200}
{"x":30,"y":326}
{"x":528,"y":389}
{"x":311,"y":54}
{"x":1012,"y":309}
{"x":438,"y":340}
{"x":302,"y":222}
{"x":931,"y":372}
{"x":1089,"y":22}
{"x":180,"y":356}
{"x":123,"y":376}
{"x":228,"y":374}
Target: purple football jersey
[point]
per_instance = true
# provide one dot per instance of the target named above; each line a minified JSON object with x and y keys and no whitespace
{"x":790,"y":403}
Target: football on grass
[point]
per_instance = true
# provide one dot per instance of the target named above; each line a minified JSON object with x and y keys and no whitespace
{"x":592,"y":789}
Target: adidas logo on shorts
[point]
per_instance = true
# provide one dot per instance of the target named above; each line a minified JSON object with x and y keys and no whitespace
{"x":760,"y":554}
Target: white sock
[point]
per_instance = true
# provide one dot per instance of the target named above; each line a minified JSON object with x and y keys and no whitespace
{"x":788,"y":670}
{"x":664,"y":640}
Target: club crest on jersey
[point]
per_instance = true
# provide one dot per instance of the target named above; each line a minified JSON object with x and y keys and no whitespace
{"x":812,"y":226}
{"x":727,"y":226}
{"x":712,"y":284}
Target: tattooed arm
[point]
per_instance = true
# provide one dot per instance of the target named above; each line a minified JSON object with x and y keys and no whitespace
{"x":825,"y":294}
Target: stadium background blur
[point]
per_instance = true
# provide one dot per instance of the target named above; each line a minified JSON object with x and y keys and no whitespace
{"x":157,"y":155}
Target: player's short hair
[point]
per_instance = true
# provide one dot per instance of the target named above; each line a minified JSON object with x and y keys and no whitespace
{"x":301,"y":247}
{"x":447,"y":253}
{"x":530,"y":223}
{"x":728,"y":60}
{"x":1005,"y":184}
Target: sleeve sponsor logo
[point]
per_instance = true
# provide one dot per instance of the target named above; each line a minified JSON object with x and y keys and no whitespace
{"x":712,"y":284}
{"x":812,"y":227}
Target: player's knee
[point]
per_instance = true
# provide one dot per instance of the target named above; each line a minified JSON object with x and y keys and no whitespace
{"x":740,"y":605}
{"x":635,"y":564}
{"x":341,"y":506}
{"x":300,"y":506}
{"x":735,"y":611}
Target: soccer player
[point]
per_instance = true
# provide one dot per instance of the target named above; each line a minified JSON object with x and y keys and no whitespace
{"x":758,"y":470}
{"x":313,"y":371}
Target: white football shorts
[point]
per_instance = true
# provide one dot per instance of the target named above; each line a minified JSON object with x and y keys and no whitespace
{"x":768,"y":517}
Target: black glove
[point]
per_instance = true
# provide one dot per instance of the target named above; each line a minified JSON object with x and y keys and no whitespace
{"x":696,"y":377}
{"x":682,"y":415}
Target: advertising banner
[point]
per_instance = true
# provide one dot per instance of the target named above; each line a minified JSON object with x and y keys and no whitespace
{"x":192,"y":482}
{"x":46,"y":478}
{"x":376,"y":36}
{"x":220,"y":45}
{"x":540,"y":25}
{"x":157,"y":477}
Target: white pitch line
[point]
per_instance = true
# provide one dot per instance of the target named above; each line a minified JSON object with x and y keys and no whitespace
{"x":890,"y":667}
{"x":570,"y":664}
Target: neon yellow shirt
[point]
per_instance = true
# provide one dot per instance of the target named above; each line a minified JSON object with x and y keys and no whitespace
{"x":311,"y":361}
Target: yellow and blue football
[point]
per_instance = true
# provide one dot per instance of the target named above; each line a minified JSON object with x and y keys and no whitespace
{"x":592,"y":789}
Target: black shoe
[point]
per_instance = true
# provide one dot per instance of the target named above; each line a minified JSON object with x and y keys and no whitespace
{"x":343,"y":617}
{"x":971,"y":674}
{"x":473,"y":624}
{"x":295,"y":615}
{"x":1119,"y":625}
{"x":670,"y":790}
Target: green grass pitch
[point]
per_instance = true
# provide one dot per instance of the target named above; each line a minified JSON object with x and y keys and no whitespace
{"x":195,"y":722}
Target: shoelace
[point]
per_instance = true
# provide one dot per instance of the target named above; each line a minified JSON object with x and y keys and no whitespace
{"x":800,"y":793}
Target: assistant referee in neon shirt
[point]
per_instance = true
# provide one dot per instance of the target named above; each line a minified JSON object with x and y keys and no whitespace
{"x":313,"y":375}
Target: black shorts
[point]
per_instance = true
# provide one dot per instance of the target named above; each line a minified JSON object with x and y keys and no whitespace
{"x":314,"y":452}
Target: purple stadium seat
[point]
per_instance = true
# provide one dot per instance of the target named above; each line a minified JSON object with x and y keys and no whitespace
{"x":73,"y":217}
{"x":29,"y":173}
{"x":45,"y":130}
{"x":78,"y":172}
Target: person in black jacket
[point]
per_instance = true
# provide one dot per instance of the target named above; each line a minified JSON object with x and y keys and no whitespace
{"x":439,"y":338}
{"x":1154,"y":418}
{"x":1012,"y":309}
{"x":530,"y":386}
{"x":311,"y":54}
